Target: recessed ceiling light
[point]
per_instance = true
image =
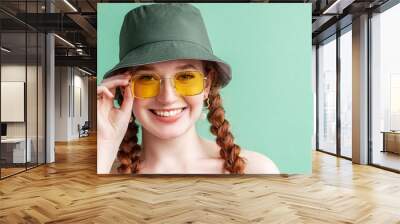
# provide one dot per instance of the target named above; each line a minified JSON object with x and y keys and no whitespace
{"x":337,"y":7}
{"x":64,"y":40}
{"x":5,"y":50}
{"x":84,"y":71}
{"x":71,"y":6}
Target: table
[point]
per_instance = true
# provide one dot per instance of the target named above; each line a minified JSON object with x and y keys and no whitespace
{"x":16,"y":147}
{"x":391,"y":141}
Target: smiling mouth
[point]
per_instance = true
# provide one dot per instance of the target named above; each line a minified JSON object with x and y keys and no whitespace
{"x":167,"y":112}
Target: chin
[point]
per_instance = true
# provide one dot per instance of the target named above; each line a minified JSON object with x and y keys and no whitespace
{"x":168,"y":134}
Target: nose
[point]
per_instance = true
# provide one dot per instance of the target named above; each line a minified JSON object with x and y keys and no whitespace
{"x":167,"y":94}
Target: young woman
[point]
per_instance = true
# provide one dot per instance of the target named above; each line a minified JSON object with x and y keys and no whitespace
{"x":167,"y":76}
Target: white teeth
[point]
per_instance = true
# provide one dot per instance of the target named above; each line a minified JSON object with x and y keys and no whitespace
{"x":168,"y":113}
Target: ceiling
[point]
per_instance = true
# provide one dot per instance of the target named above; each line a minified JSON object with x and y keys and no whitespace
{"x":75,"y":21}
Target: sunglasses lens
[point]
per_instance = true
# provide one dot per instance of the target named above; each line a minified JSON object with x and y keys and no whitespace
{"x":189,"y":83}
{"x":145,"y":85}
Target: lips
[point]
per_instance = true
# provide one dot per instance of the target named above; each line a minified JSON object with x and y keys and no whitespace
{"x":167,"y":112}
{"x":168,"y":115}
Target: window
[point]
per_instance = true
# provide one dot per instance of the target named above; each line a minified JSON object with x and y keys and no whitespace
{"x":385,"y":88}
{"x":346,"y":93}
{"x":327,"y":96}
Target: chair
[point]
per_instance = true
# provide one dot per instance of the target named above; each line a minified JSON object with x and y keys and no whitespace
{"x":84,"y":130}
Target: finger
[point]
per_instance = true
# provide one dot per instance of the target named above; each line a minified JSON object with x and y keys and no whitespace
{"x":105,"y":98}
{"x":124,"y":76}
{"x":114,"y":83}
{"x":127,"y":104}
{"x":103,"y":108}
{"x":119,"y":76}
{"x":102,"y":90}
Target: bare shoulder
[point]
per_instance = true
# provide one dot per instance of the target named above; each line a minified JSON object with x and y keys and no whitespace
{"x":257,"y":163}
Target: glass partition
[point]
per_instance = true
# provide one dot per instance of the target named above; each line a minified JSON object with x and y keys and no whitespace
{"x":13,"y":95}
{"x":327,"y":96}
{"x":22,"y":87}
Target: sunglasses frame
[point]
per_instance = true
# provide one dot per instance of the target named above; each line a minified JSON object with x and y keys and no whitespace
{"x":173,"y":83}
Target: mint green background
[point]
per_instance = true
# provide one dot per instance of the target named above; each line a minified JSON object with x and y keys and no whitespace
{"x":269,"y":100}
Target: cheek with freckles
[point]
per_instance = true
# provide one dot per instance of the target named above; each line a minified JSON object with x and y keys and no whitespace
{"x":138,"y":109}
{"x":196,"y":105}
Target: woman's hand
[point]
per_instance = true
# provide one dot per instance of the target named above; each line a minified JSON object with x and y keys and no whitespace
{"x":112,"y":122}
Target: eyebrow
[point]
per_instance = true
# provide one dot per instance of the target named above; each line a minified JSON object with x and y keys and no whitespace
{"x":143,"y":67}
{"x":186,"y":66}
{"x":151,"y":68}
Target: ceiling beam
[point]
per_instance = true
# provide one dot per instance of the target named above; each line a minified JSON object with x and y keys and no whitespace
{"x":337,"y":7}
{"x":321,"y":20}
{"x":82,"y":61}
{"x":86,"y":26}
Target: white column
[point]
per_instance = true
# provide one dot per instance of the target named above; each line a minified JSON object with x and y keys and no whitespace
{"x":50,"y":92}
{"x":360,"y":90}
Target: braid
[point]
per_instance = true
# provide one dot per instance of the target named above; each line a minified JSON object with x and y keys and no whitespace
{"x":221,"y":129}
{"x":129,"y":150}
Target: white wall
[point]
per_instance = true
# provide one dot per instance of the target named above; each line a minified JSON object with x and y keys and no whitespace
{"x":15,"y":72}
{"x":70,"y":84}
{"x":80,"y":89}
{"x":61,"y":103}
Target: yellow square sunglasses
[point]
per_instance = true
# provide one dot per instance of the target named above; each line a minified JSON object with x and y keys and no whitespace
{"x":186,"y":83}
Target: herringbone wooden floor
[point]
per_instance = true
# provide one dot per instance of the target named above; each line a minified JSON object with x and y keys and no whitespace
{"x":69,"y":191}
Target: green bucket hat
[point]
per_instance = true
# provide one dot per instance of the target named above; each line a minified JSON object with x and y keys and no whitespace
{"x":162,"y":32}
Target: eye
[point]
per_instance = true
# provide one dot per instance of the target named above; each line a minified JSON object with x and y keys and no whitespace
{"x":185,"y":76}
{"x":146,"y":77}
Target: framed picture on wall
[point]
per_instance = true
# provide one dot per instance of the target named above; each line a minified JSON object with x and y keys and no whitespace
{"x":182,"y":91}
